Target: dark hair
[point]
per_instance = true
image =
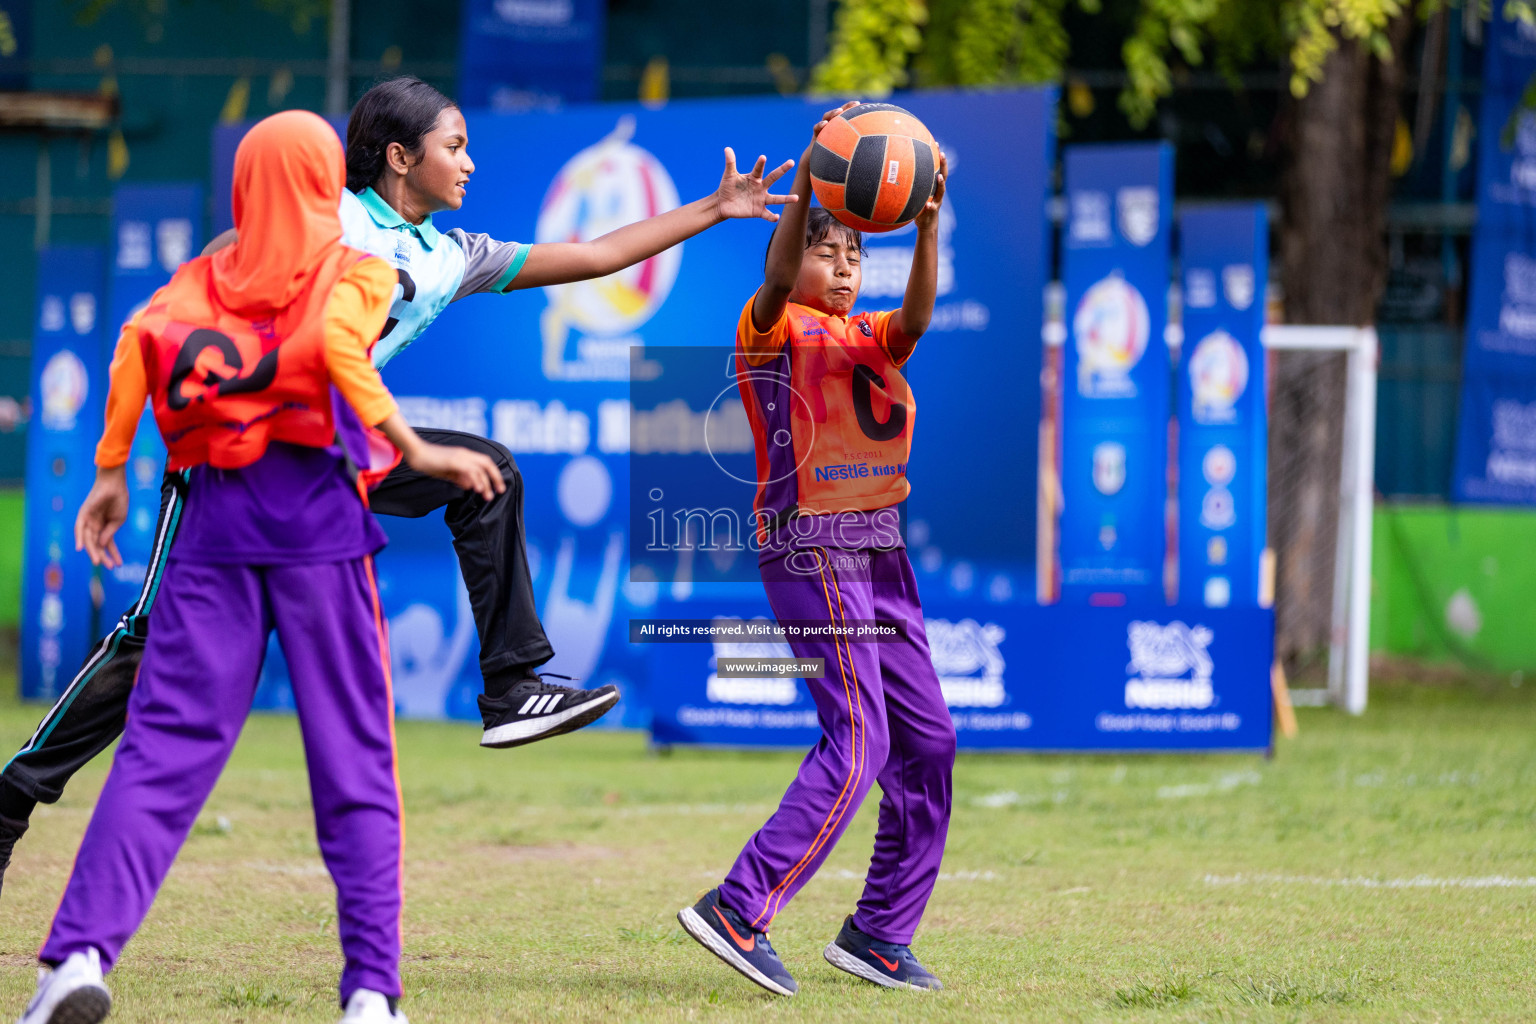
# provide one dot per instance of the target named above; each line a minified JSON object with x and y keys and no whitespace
{"x":819,"y":224}
{"x":400,"y":110}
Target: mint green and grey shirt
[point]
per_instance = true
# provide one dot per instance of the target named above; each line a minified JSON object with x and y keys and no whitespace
{"x":435,"y":268}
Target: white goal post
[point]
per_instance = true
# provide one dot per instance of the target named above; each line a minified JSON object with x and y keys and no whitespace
{"x":1349,"y":635}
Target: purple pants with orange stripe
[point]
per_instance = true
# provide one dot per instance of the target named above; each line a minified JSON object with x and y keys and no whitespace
{"x":883,"y":719}
{"x":192,"y":697}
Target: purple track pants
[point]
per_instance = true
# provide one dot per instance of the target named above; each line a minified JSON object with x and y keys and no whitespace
{"x":883,"y":718}
{"x":192,"y":697}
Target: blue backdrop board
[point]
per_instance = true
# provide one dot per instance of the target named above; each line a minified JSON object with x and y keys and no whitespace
{"x":68,"y":393}
{"x":226,"y":139}
{"x":1016,"y":676}
{"x":1223,"y":436}
{"x":1496,"y":435}
{"x":155,"y":229}
{"x":691,"y":704}
{"x":1115,"y":385}
{"x":548,"y":373}
{"x":530,"y":54}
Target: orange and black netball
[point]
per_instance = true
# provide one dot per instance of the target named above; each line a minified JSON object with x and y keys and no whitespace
{"x":873,"y":166}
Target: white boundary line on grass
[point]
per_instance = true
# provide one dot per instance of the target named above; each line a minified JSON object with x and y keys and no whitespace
{"x":1417,"y":882}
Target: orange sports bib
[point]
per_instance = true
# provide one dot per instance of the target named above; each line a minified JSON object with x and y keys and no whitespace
{"x":851,"y":417}
{"x":224,"y":387}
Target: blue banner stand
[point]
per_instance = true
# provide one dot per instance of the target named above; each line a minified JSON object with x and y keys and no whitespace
{"x":68,"y":395}
{"x":1223,"y":437}
{"x":1116,"y":255}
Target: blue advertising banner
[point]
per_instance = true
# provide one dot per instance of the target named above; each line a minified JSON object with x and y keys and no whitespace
{"x":517,"y":55}
{"x":1496,"y":435}
{"x":226,"y":139}
{"x":1223,"y":433}
{"x":155,"y":229}
{"x":1016,"y":676}
{"x":549,"y":373}
{"x":1115,"y":385}
{"x":68,"y":393}
{"x":689,"y":701}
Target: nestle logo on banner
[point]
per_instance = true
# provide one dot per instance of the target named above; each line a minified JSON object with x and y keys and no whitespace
{"x":134,"y":250}
{"x":51,"y":319}
{"x":1512,"y":459}
{"x":1519,"y":278}
{"x":1514,"y":425}
{"x":173,"y":238}
{"x":1138,"y":208}
{"x":1090,"y":217}
{"x":82,"y":312}
{"x":1200,"y":288}
{"x":1517,"y":314}
{"x":1237,"y":279}
{"x":968,"y":658}
{"x":1171,"y":666}
{"x":1522,"y":170}
{"x":539,"y":13}
{"x":763,"y":690}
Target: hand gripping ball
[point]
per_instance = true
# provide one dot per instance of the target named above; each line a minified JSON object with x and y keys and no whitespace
{"x":873,"y":166}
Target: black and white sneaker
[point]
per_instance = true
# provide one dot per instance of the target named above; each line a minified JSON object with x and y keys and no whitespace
{"x":534,"y":710}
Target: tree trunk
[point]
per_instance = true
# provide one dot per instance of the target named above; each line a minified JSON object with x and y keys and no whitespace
{"x":1334,"y":191}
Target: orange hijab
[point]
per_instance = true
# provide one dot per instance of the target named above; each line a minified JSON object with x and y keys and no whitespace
{"x":289,"y":173}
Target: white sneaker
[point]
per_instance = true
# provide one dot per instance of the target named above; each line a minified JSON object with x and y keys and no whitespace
{"x":72,"y":993}
{"x":365,"y":1007}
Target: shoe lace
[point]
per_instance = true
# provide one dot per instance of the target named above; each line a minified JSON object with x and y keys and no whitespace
{"x":891,"y":951}
{"x":539,"y":683}
{"x":764,"y":943}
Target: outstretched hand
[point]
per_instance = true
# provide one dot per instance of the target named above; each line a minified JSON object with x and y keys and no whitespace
{"x":747,"y":195}
{"x":928,"y":216}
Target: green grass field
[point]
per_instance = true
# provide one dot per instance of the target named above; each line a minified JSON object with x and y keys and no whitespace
{"x":12,"y":522}
{"x":1349,"y":879}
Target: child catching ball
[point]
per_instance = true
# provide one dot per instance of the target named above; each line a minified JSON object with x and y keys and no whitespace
{"x":832,"y":419}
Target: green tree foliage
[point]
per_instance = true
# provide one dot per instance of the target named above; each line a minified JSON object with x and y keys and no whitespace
{"x":982,"y":42}
{"x":879,"y":45}
{"x":874,"y":40}
{"x":951,"y":42}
